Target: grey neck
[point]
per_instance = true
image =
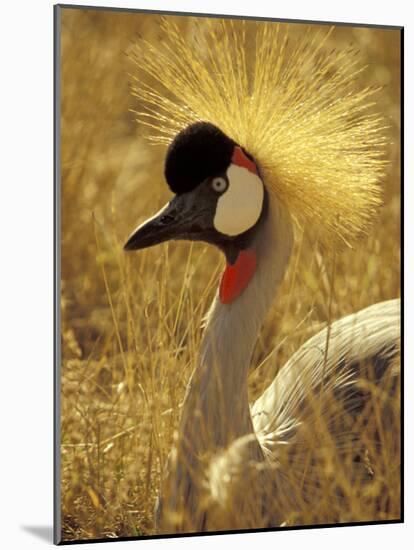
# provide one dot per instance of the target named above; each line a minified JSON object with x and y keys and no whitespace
{"x":216,"y":408}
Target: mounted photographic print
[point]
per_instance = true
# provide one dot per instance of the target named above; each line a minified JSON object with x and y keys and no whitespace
{"x":228,"y":274}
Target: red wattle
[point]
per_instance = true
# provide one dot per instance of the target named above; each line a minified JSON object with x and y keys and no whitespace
{"x":236,"y":277}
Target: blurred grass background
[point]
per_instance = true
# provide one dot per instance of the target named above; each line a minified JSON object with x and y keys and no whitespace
{"x":131,"y":325}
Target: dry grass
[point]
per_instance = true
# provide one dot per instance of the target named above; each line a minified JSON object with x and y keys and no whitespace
{"x":131,"y":325}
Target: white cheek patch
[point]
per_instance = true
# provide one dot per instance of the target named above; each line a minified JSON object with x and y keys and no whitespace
{"x":239,"y":208}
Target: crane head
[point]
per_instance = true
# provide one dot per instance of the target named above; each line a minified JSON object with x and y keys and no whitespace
{"x":297,"y":104}
{"x":219,"y":194}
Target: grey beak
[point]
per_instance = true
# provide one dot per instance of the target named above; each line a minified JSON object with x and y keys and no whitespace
{"x":186,"y":216}
{"x":161,"y":227}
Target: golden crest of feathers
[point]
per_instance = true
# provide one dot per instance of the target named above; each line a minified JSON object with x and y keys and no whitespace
{"x":297,"y":107}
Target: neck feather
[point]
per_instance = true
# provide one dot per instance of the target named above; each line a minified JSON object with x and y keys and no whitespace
{"x":218,"y":388}
{"x":216,"y":409}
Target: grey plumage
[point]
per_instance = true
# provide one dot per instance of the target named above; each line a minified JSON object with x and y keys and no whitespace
{"x":235,"y":466}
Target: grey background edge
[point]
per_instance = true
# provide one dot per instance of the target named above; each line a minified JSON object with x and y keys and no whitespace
{"x":57,"y":524}
{"x":228,"y":16}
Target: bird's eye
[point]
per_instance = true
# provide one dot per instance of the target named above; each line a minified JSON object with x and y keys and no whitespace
{"x":219,"y":184}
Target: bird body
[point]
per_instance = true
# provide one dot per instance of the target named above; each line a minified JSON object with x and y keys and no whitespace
{"x":252,"y":145}
{"x":299,"y":418}
{"x":233,"y":437}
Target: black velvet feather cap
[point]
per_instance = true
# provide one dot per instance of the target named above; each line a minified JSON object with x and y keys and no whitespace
{"x":198,"y":152}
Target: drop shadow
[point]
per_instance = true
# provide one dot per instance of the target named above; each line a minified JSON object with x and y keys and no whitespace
{"x":43,"y":532}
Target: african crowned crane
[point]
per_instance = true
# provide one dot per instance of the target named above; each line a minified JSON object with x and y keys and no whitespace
{"x":255,"y":140}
